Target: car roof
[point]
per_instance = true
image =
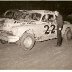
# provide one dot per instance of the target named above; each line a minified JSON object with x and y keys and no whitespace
{"x":41,"y":11}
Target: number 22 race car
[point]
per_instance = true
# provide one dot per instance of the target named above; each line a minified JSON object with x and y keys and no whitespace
{"x":39,"y":25}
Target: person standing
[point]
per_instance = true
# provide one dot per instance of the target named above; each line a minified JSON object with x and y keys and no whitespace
{"x":59,"y":20}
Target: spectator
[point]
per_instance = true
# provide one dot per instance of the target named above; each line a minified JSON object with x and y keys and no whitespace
{"x":59,"y":19}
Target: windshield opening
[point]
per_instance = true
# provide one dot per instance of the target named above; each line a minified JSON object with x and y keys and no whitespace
{"x":9,"y":14}
{"x":15,"y":14}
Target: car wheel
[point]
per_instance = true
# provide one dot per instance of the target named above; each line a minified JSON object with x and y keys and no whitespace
{"x":68,"y":34}
{"x":3,"y":41}
{"x":27,"y":41}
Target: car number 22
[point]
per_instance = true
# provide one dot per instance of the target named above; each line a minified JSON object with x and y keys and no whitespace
{"x":48,"y":31}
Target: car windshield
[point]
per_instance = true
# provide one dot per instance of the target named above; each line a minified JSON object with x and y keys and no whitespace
{"x":15,"y":14}
{"x":9,"y":14}
{"x":35,"y":16}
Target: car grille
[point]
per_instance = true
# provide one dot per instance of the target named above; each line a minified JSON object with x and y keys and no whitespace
{"x":5,"y":33}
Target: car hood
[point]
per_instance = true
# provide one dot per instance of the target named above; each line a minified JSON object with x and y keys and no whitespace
{"x":8,"y":23}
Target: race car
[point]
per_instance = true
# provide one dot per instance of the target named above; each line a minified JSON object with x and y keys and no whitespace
{"x":38,"y":25}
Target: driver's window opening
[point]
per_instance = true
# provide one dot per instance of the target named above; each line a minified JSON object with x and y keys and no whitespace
{"x":47,"y":18}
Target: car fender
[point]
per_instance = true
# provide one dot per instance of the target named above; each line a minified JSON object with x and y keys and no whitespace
{"x":30,"y":31}
{"x":19,"y":31}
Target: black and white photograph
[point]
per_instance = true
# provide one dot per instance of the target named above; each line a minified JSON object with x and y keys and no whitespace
{"x":36,"y":35}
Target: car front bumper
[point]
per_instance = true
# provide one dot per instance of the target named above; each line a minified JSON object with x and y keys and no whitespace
{"x":7,"y":37}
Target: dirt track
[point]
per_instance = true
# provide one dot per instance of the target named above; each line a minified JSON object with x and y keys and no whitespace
{"x":44,"y":55}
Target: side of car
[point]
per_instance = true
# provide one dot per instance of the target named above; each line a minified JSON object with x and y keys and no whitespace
{"x":42,"y":26}
{"x":36,"y":30}
{"x":43,"y":30}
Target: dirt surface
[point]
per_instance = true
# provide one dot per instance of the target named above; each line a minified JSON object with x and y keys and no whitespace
{"x":44,"y":55}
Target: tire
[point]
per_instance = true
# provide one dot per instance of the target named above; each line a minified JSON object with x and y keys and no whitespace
{"x":26,"y":41}
{"x":3,"y":41}
{"x":68,"y":34}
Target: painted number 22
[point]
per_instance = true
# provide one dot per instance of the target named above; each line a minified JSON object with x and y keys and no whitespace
{"x":47,"y":31}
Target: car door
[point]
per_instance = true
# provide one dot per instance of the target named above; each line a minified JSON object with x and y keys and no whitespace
{"x":49,"y":25}
{"x":44,"y":28}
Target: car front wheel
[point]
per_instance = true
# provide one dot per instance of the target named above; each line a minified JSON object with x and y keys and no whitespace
{"x":27,"y":41}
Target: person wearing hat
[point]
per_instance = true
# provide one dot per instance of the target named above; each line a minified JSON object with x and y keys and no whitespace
{"x":59,"y":20}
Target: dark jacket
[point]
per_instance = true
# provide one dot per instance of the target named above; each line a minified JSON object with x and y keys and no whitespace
{"x":59,"y":21}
